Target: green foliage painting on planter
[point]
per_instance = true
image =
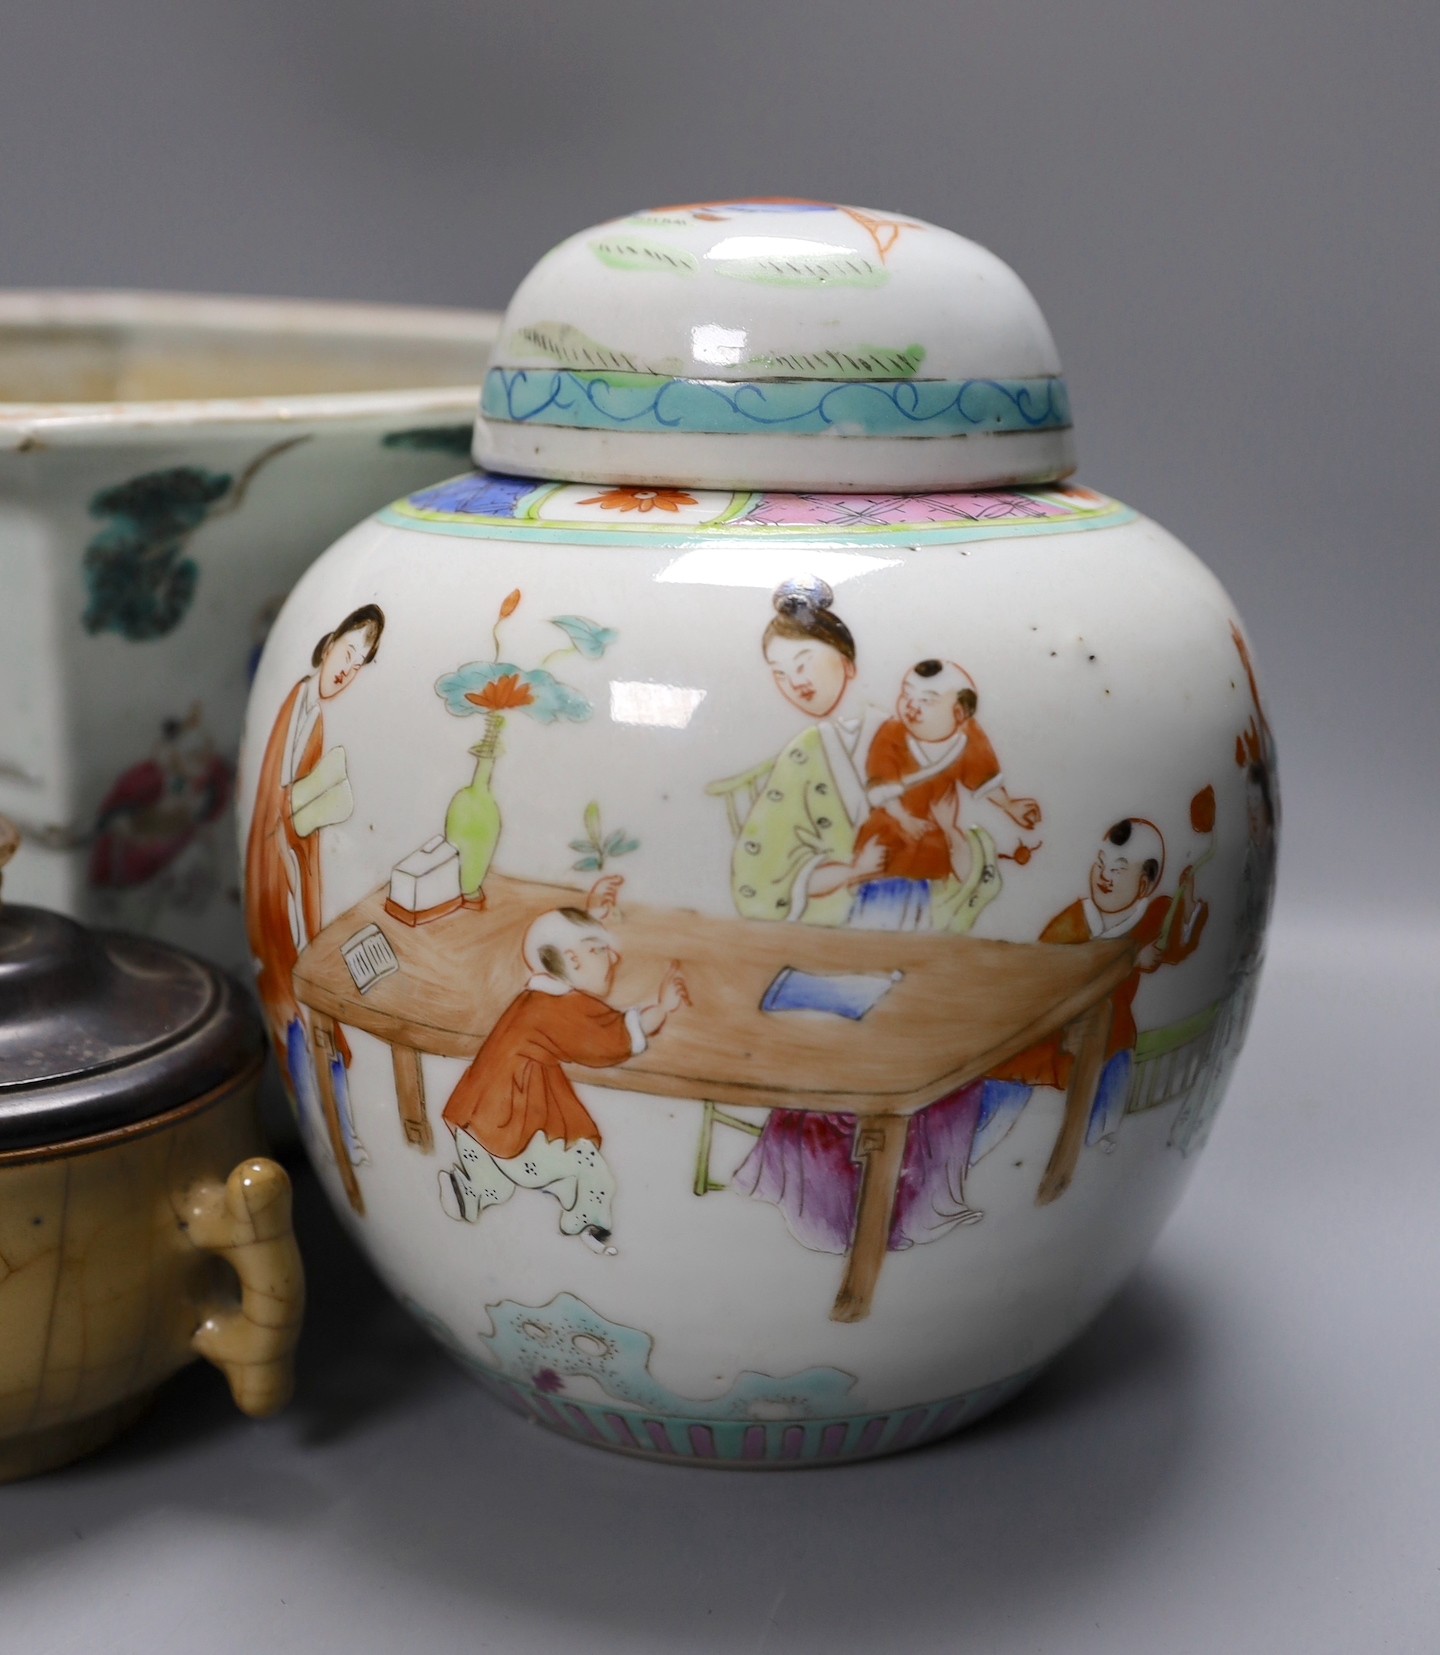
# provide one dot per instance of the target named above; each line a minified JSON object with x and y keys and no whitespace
{"x":139,"y":577}
{"x":432,"y":439}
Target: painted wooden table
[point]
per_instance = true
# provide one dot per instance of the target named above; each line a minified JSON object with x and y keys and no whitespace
{"x":961,"y":1007}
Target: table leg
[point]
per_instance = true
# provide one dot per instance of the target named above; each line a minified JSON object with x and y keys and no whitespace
{"x":880,"y":1149}
{"x":410,"y":1094}
{"x":1088,"y":1036}
{"x":322,"y":1040}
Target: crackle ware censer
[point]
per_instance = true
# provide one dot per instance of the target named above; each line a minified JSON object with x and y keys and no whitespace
{"x":130,"y":1168}
{"x":757,"y":890}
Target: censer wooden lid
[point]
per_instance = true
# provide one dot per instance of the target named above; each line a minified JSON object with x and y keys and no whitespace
{"x":775,"y":344}
{"x":101,"y":1031}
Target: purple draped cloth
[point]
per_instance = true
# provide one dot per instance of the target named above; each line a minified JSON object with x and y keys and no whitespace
{"x":804,"y":1163}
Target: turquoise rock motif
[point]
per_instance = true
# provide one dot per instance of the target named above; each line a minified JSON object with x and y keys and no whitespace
{"x":807,"y":1419}
{"x":566,"y":1339}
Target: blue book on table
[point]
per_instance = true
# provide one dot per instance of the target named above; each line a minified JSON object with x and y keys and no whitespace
{"x":842,"y":995}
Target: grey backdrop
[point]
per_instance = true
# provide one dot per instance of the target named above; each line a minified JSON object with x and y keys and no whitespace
{"x":1229,"y":211}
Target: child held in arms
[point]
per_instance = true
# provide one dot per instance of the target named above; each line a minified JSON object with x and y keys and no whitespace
{"x":922,"y":767}
{"x":517,"y":1120}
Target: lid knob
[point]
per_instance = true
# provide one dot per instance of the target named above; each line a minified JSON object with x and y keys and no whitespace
{"x":778,"y":344}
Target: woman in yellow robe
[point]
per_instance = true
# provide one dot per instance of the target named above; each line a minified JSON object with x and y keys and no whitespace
{"x":806,"y":812}
{"x":794,"y":856}
{"x":795,"y":860}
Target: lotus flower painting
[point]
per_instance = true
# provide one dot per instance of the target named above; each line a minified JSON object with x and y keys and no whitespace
{"x":494,"y":690}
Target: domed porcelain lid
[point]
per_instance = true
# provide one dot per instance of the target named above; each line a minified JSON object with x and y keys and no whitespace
{"x":775,"y":344}
{"x":100,"y":1031}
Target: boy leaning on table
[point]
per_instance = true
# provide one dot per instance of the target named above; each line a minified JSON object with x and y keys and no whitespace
{"x":517,"y":1120}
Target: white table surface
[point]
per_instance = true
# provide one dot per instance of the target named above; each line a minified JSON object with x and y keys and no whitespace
{"x":1242,"y":1454}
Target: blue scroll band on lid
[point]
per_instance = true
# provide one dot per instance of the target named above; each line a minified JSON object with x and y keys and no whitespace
{"x":607,"y":401}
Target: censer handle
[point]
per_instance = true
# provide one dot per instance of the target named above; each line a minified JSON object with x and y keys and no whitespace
{"x":246,"y":1221}
{"x":9,"y":842}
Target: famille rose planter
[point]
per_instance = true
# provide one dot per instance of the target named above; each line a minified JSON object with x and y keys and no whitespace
{"x":757,"y":891}
{"x":169,"y":465}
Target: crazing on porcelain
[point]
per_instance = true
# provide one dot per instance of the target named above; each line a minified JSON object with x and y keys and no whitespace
{"x":865,"y":848}
{"x":107,"y":1279}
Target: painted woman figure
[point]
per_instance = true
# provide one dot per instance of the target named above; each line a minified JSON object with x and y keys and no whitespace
{"x":302,"y":788}
{"x":795,"y":860}
{"x":806,"y":815}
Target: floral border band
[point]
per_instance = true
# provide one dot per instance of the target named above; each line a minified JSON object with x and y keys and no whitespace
{"x":495,"y":506}
{"x":611,"y":401}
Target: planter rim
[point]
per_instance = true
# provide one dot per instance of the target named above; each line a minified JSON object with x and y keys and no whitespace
{"x":29,"y":425}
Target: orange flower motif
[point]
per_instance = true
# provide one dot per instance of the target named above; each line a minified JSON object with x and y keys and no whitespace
{"x":1202,"y":811}
{"x":503,"y":693}
{"x":641,"y":499}
{"x":1248,"y":747}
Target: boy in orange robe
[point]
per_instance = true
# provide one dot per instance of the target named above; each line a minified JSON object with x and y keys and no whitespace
{"x":922,"y":765}
{"x":517,"y":1120}
{"x":1165,"y":931}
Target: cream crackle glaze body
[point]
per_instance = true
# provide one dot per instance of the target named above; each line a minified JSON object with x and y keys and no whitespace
{"x":758,"y":889}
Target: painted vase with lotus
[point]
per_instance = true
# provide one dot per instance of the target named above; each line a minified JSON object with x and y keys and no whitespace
{"x":472,"y":823}
{"x":493,"y":688}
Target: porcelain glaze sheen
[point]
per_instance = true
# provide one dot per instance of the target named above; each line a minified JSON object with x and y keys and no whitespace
{"x":712,"y":343}
{"x":875,"y":914}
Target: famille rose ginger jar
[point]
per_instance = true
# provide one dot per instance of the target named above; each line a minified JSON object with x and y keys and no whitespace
{"x":757,"y":889}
